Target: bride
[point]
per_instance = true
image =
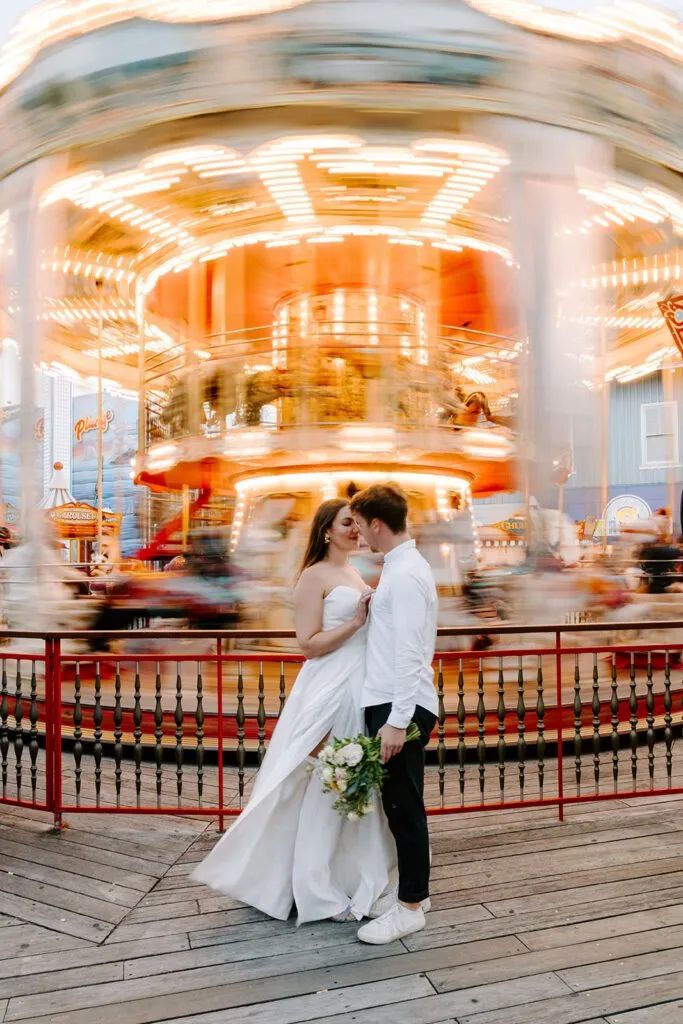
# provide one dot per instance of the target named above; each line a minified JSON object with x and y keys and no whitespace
{"x":288,"y":845}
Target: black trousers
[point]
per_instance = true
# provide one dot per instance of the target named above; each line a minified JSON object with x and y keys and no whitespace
{"x":403,"y":801}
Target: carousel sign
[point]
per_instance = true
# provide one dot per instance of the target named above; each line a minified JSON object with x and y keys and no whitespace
{"x":88,"y":423}
{"x":672,"y":311}
{"x":78,"y":519}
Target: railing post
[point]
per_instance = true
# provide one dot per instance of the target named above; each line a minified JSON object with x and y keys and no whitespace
{"x":219,"y":711}
{"x":57,"y":745}
{"x":558,"y":704}
{"x":49,"y":725}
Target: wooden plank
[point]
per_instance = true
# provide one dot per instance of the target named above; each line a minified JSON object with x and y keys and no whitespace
{"x":59,"y":899}
{"x":606,"y":1001}
{"x":189,"y":925}
{"x":59,"y":920}
{"x":53,"y":981}
{"x":612,"y":958}
{"x":162,"y":912}
{"x":84,"y":955}
{"x":606,"y":926}
{"x":88,"y":886}
{"x":529,"y":860}
{"x":461,"y":851}
{"x":15,"y":941}
{"x":662,"y":1013}
{"x":69,"y":863}
{"x":308,"y":949}
{"x":586,"y":893}
{"x":276,"y":1010}
{"x":561,"y":926}
{"x":544,"y":886}
{"x":631,"y":965}
{"x":289,"y":957}
{"x":431,"y":1009}
{"x":77,"y":848}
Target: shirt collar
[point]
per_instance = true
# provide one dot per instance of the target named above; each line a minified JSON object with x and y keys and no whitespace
{"x":397,"y":551}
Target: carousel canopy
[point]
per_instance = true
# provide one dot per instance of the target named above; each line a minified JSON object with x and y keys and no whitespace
{"x":58,"y":492}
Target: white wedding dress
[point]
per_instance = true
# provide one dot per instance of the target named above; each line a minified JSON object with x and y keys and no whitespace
{"x":288,"y":845}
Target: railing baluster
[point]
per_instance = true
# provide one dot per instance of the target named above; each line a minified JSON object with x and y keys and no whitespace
{"x":4,"y":731}
{"x":158,"y":734}
{"x":595,"y":707}
{"x":178,"y":717}
{"x":461,"y":715}
{"x":521,"y":741}
{"x":199,"y":733}
{"x":19,"y":732}
{"x":261,"y":715}
{"x":441,"y":735}
{"x":540,"y":717}
{"x":137,"y":734}
{"x":97,"y":735}
{"x":33,"y":745}
{"x":239,"y":719}
{"x":481,"y":731}
{"x":668,"y":732}
{"x":633,"y":720}
{"x":577,"y":725}
{"x":118,"y":734}
{"x":78,"y":734}
{"x":650,"y":736}
{"x":500,"y":712}
{"x":282,"y":688}
{"x":614,"y":711}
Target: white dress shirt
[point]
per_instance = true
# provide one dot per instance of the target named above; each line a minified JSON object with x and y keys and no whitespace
{"x":401,"y":637}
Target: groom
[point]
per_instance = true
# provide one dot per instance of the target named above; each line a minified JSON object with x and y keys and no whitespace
{"x":398,"y":690}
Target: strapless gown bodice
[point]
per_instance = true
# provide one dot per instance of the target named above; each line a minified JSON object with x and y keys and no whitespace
{"x":339,"y":607}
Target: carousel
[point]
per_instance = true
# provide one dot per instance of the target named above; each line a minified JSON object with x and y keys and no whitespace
{"x":344,"y":254}
{"x":87,"y":530}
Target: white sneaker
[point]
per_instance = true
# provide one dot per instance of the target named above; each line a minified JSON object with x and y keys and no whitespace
{"x":388,"y":900}
{"x":395,"y":924}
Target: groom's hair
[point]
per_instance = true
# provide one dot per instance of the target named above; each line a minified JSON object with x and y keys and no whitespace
{"x":385,"y":502}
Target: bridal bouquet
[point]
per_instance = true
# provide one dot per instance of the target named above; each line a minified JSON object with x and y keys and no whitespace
{"x":352,"y":768}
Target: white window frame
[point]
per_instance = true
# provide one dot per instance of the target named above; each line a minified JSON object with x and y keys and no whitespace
{"x":665,"y":463}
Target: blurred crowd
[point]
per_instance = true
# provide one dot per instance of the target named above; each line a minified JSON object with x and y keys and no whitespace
{"x":638,"y":575}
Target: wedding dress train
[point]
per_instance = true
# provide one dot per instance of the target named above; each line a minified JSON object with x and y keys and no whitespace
{"x":288,"y":845}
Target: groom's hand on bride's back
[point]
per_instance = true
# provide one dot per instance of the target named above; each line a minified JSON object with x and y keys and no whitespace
{"x":392,"y":740}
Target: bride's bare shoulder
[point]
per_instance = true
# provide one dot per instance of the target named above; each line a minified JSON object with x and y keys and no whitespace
{"x":311,"y":583}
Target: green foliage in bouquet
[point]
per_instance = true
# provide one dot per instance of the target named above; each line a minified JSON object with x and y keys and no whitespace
{"x":352,"y":768}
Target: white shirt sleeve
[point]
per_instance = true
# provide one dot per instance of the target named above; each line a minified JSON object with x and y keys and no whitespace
{"x":410,"y":613}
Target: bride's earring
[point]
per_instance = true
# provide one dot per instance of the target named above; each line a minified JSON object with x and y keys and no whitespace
{"x":327,"y":538}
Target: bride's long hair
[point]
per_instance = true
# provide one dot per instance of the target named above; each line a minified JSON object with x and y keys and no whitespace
{"x":325,"y":515}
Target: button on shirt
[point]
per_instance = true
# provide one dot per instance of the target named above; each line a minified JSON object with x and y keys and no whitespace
{"x":401,"y":637}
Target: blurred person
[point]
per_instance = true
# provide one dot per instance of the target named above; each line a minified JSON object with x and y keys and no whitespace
{"x":659,"y":557}
{"x":289,"y":846}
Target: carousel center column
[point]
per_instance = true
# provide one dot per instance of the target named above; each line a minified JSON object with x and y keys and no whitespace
{"x":554,"y":247}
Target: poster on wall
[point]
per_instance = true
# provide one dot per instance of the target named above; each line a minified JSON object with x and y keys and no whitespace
{"x":119,"y":426}
{"x":623,"y":513}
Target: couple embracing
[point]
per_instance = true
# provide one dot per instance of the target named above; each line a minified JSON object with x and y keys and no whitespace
{"x":369,"y":668}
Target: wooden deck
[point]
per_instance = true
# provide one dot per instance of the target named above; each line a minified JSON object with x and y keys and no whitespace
{"x":533,"y":922}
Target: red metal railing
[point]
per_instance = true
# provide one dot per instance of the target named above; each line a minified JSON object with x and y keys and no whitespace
{"x":551,"y":720}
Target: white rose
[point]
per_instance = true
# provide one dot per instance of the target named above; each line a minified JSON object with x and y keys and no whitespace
{"x":326,"y":753}
{"x":328,"y":774}
{"x":352,"y":816}
{"x":340,"y":779}
{"x":353,"y":754}
{"x":340,"y":757}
